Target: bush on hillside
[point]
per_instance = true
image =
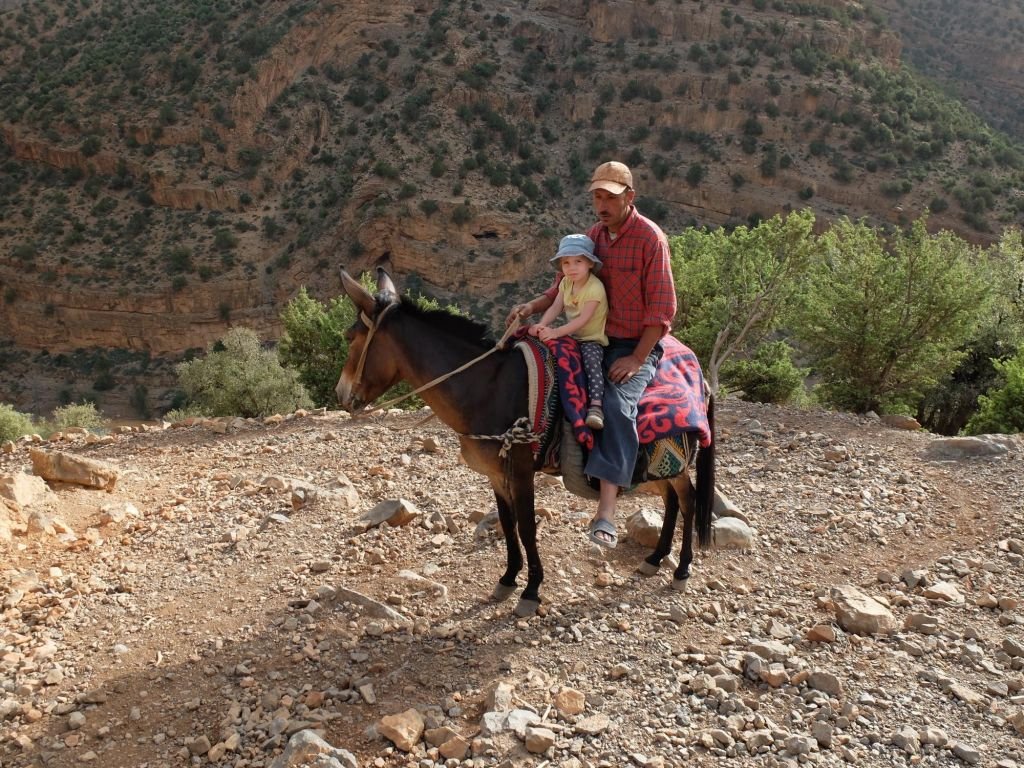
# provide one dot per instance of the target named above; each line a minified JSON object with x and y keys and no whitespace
{"x":82,"y":415}
{"x":14,"y":424}
{"x":768,"y":377}
{"x":240,"y":378}
{"x":186,"y":412}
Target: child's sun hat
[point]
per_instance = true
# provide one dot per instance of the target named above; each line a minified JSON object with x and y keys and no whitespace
{"x":577,"y":245}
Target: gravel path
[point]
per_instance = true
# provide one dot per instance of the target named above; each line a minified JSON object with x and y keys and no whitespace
{"x":225,"y":596}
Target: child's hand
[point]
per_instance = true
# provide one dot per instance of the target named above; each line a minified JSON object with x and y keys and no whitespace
{"x":534,"y":330}
{"x":547,"y":334}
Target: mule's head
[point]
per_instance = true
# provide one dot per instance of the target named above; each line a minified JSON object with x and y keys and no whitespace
{"x":371,"y":368}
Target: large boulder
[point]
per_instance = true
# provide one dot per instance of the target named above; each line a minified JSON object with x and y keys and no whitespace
{"x":23,"y":489}
{"x":60,"y":467}
{"x":964,"y":447}
{"x":307,"y":749}
{"x":861,"y":614}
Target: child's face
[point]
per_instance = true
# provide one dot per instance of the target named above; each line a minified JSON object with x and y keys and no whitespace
{"x":575,"y":267}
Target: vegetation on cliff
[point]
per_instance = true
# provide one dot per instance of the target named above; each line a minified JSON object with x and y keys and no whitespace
{"x":173,"y":170}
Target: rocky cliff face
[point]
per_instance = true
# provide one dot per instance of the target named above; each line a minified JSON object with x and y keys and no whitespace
{"x":401,"y":134}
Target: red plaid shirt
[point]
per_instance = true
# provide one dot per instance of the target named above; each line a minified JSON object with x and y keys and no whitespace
{"x":637,"y":275}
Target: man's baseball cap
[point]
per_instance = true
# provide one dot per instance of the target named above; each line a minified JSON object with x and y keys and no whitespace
{"x":613,"y":177}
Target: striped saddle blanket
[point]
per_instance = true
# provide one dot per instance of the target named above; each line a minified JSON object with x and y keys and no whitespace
{"x":670,"y":413}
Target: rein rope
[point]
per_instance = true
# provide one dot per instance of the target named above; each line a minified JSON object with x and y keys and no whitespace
{"x":521,"y":430}
{"x":372,"y":325}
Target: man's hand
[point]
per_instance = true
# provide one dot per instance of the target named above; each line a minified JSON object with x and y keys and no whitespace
{"x":522,"y":311}
{"x":624,"y":369}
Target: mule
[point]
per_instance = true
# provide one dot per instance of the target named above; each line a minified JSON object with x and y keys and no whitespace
{"x":395,"y":340}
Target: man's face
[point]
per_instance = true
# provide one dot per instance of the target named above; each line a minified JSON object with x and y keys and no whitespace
{"x":611,"y":209}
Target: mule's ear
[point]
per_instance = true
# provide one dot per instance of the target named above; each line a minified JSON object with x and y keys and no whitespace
{"x":359,"y":295}
{"x":384,"y":282}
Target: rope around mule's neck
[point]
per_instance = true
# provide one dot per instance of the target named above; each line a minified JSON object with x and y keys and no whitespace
{"x":520,"y":432}
{"x":362,"y":360}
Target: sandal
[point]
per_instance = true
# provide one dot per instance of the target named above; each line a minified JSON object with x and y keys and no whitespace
{"x":600,"y":525}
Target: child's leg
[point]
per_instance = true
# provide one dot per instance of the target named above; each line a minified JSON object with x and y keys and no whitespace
{"x":593,"y":359}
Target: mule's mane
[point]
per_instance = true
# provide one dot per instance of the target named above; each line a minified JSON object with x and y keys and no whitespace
{"x":453,"y":325}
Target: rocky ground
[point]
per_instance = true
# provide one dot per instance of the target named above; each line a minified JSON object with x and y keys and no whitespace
{"x":224,"y":600}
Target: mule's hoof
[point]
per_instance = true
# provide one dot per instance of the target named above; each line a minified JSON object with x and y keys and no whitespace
{"x":526,"y":608}
{"x":646,"y":569}
{"x":680,"y":585}
{"x":501,"y":592}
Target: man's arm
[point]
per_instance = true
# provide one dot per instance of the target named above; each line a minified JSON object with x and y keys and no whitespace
{"x":553,"y":311}
{"x":659,"y":287}
{"x":539,"y":304}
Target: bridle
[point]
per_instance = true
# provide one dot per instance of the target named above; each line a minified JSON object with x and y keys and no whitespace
{"x":371,"y":325}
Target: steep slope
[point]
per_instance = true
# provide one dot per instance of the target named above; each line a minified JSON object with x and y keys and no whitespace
{"x":173,"y":170}
{"x":973,"y":47}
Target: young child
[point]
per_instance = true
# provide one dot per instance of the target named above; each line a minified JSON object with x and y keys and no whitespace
{"x":582,"y":297}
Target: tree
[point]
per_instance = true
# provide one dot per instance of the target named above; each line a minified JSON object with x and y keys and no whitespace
{"x":314,"y":342}
{"x":884,"y":322}
{"x":948,"y":406}
{"x":240,"y":378}
{"x":1002,"y":409}
{"x":732,"y":287}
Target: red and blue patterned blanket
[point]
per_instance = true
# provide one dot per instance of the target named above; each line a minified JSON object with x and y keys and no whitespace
{"x":672,"y":405}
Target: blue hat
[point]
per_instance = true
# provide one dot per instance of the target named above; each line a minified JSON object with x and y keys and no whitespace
{"x":577,"y":245}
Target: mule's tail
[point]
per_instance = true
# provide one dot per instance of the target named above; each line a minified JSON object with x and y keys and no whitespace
{"x":705,"y":500}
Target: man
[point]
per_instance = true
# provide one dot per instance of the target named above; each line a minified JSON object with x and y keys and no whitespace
{"x":637,"y":275}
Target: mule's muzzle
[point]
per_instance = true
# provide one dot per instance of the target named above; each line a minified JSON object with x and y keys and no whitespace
{"x":347,"y":398}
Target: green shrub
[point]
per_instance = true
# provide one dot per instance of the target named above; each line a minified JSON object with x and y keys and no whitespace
{"x":461,"y":214}
{"x":314,"y":342}
{"x":769,"y":376}
{"x":189,"y":411}
{"x":695,"y":174}
{"x":240,"y":378}
{"x":885,"y":319}
{"x":223,"y":240}
{"x":82,"y":415}
{"x":14,"y":424}
{"x":1002,"y":409}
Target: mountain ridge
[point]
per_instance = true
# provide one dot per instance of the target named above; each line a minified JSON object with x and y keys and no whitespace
{"x":190,"y":167}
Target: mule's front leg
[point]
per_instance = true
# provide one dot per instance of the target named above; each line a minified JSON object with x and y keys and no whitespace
{"x":521,"y":484}
{"x":507,"y":583}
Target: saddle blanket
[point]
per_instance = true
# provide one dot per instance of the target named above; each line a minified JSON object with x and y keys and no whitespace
{"x":672,"y":405}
